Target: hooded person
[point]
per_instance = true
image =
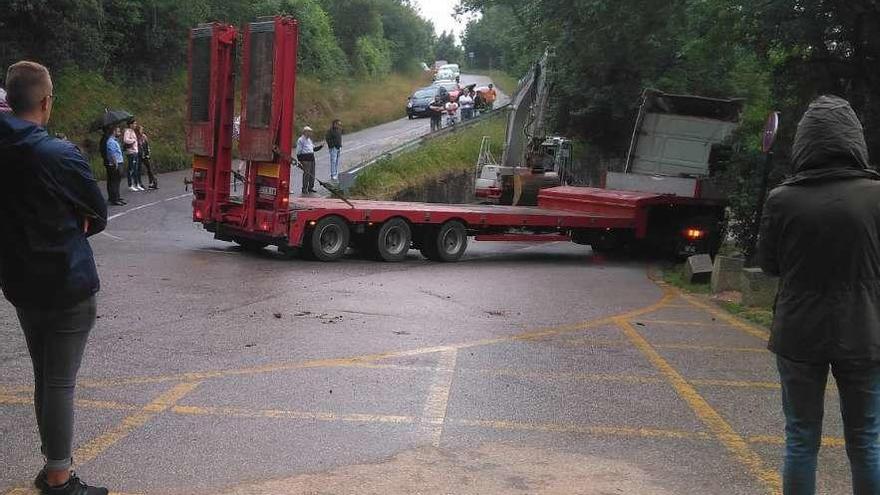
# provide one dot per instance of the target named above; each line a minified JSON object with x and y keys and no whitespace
{"x":820,"y":233}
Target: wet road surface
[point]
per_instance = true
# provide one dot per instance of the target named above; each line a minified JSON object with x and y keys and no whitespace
{"x":521,"y":369}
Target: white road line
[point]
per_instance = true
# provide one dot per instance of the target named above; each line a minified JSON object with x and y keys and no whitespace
{"x":154,"y":203}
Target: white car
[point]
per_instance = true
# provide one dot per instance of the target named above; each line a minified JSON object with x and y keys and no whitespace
{"x":453,"y":68}
{"x":444,"y":75}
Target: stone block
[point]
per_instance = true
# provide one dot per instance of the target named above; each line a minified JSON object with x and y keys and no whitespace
{"x":698,"y":269}
{"x":757,"y":287}
{"x":726,"y":273}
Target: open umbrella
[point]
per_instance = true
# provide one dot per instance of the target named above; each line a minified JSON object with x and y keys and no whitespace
{"x":110,"y":118}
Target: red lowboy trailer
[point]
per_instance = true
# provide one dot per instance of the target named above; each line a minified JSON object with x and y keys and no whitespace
{"x":323,"y":228}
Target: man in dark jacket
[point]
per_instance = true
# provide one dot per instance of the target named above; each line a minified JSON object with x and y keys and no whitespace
{"x":333,"y":139}
{"x":51,"y":204}
{"x":820,"y":232}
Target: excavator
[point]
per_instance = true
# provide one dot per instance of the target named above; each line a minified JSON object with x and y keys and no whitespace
{"x":532,"y":160}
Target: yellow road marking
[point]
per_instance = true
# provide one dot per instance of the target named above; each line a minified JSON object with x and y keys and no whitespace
{"x":587,"y":430}
{"x":96,"y":446}
{"x":736,"y":383}
{"x":437,"y":402}
{"x":348,"y":361}
{"x":778,"y":440}
{"x":85,"y":403}
{"x":732,"y":441}
{"x":283,"y":414}
{"x":696,"y":347}
{"x":684,"y":323}
{"x":33,"y":491}
{"x":728,"y":318}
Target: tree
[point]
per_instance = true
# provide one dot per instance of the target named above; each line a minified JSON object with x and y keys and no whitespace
{"x":446,"y":49}
{"x":319,"y":53}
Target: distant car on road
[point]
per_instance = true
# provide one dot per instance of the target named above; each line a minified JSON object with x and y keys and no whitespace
{"x":453,"y":68}
{"x":417,"y":104}
{"x":444,"y":75}
{"x":451,"y":87}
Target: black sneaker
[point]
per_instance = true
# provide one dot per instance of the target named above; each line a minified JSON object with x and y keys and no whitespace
{"x":40,"y":481}
{"x":74,"y":486}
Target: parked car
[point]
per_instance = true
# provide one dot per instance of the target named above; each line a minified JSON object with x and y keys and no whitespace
{"x":451,"y":87}
{"x":453,"y":68}
{"x":444,"y":75}
{"x":417,"y":104}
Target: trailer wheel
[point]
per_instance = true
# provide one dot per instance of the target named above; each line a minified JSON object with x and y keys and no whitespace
{"x":329,"y":239}
{"x":394,"y":240}
{"x":447,"y":243}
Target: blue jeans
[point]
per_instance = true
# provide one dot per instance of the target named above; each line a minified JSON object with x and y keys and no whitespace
{"x":803,"y":393}
{"x":134,"y":170}
{"x":334,"y":162}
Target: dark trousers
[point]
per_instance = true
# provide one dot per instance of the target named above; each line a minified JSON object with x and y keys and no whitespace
{"x":145,"y":162}
{"x":308,"y":165}
{"x":436,"y":123}
{"x":803,"y":402}
{"x":113,"y":180}
{"x":56,"y":339}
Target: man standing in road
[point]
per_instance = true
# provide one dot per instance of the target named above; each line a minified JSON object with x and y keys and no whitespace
{"x":334,"y":145}
{"x":437,"y":108}
{"x":490,"y":95}
{"x":305,"y":154}
{"x":820,"y":232}
{"x":51,"y":204}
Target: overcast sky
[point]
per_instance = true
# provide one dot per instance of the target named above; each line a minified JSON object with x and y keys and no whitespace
{"x":440,"y":13}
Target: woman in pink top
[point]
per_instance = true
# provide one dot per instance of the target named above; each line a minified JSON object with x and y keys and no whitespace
{"x":132,"y":156}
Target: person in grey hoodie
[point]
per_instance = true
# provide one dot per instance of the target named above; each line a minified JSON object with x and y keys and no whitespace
{"x":820,"y":233}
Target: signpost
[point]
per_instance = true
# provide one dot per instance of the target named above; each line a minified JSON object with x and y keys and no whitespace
{"x":768,"y":138}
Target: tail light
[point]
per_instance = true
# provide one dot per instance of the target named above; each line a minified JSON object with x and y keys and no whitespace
{"x":694,"y":234}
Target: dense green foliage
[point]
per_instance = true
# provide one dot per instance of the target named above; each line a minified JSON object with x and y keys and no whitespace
{"x":147,"y":39}
{"x":131,"y":54}
{"x":776,"y":54}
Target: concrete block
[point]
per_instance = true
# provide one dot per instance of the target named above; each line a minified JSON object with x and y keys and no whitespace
{"x":698,"y":269}
{"x":726,"y":273}
{"x":758,"y":288}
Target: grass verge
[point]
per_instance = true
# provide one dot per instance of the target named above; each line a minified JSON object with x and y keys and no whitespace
{"x":762,"y":316}
{"x":160,"y":108}
{"x":437,"y":158}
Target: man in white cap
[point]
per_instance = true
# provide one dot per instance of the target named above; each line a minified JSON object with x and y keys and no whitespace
{"x":305,"y":153}
{"x":4,"y":107}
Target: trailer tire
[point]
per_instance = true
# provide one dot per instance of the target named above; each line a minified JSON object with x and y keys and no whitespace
{"x":446,"y":243}
{"x":329,"y":239}
{"x":393,"y":240}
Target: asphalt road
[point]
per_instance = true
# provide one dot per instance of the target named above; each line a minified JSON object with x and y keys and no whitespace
{"x":522,"y":369}
{"x":368,"y":143}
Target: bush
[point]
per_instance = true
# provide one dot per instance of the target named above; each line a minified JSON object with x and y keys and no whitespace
{"x":435,"y":159}
{"x":372,"y":56}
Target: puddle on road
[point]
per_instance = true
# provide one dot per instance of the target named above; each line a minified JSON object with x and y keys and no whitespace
{"x":488,"y":470}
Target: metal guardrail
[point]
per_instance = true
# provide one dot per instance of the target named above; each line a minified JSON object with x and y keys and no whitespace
{"x":348,"y":177}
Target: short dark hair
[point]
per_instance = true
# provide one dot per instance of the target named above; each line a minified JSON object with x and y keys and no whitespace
{"x":27,"y":83}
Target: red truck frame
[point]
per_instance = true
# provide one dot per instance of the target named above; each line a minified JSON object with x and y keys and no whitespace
{"x":325,"y":228}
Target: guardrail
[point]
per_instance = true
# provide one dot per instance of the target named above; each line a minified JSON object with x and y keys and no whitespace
{"x":348,"y":177}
